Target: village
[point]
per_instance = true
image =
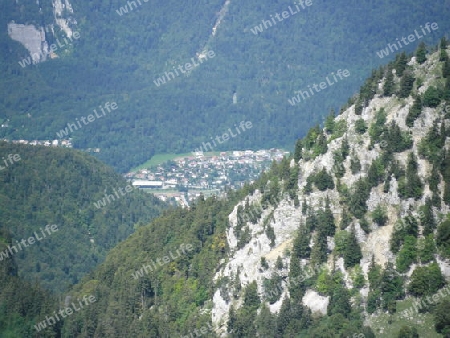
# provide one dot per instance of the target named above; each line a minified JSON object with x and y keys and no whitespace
{"x":184,"y":179}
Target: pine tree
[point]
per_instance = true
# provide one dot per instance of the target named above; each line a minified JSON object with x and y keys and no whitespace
{"x":406,"y":84}
{"x":446,"y":94}
{"x":443,"y":56}
{"x":421,"y":53}
{"x":414,"y":111}
{"x":329,"y":122}
{"x":298,"y":151}
{"x":446,"y":68}
{"x":352,"y":253}
{"x":284,"y":316}
{"x":388,"y":87}
{"x":319,"y":250}
{"x":427,"y":220}
{"x":400,"y":64}
{"x":414,"y":185}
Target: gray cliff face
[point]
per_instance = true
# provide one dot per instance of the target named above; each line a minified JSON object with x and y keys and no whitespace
{"x":35,"y":38}
{"x":244,"y":264}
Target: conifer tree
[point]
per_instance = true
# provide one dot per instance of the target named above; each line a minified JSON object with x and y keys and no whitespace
{"x":406,"y":84}
{"x":421,"y":53}
{"x":298,"y":151}
{"x":400,"y":64}
{"x":352,"y":253}
{"x":388,"y":87}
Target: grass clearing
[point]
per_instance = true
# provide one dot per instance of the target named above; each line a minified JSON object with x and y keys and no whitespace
{"x":162,"y":158}
{"x":387,"y":326}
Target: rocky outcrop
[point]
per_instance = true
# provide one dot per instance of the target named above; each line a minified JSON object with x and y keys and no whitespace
{"x":244,"y":264}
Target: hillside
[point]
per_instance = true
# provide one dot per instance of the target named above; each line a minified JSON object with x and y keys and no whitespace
{"x":348,"y":237}
{"x":102,"y":54}
{"x":21,"y":302}
{"x":71,"y":206}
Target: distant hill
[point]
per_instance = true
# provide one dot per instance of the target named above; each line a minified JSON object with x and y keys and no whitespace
{"x":118,"y":57}
{"x":77,"y":194}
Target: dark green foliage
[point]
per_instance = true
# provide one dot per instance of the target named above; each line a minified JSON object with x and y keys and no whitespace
{"x":298,"y":151}
{"x":352,"y":254}
{"x":300,"y":248}
{"x":407,"y":254}
{"x":358,"y":198}
{"x":326,"y":220}
{"x":445,"y":172}
{"x":264,"y":263}
{"x":432,"y":144}
{"x":270,"y":233}
{"x":345,"y":148}
{"x":407,"y":332}
{"x":397,"y":140}
{"x":22,"y":304}
{"x":378,"y":127}
{"x":442,"y":317}
{"x":322,"y":180}
{"x":400,"y":64}
{"x":60,"y":186}
{"x":338,"y":167}
{"x":391,"y":288}
{"x":403,"y":228}
{"x":414,"y":111}
{"x":426,"y":249}
{"x":379,"y":215}
{"x":427,"y":219}
{"x":329,"y":122}
{"x":291,"y":182}
{"x":412,"y":186}
{"x":443,"y":56}
{"x":272,"y":288}
{"x":279,"y":263}
{"x":339,"y":302}
{"x":360,"y":126}
{"x":319,"y":250}
{"x":446,"y":67}
{"x":443,"y":238}
{"x":426,"y":280}
{"x":421,"y":53}
{"x":406,"y":84}
{"x":432,"y":97}
{"x":446,"y":93}
{"x":359,"y":106}
{"x":389,"y":85}
{"x":284,"y":316}
{"x":345,"y":220}
{"x":340,"y":242}
{"x":374,"y":297}
{"x":376,"y":173}
{"x":266,"y":323}
{"x":355,"y":164}
{"x":364,"y":224}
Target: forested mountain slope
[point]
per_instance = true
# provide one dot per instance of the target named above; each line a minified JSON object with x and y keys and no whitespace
{"x":21,"y":303}
{"x":114,"y":57}
{"x":77,"y":194}
{"x":348,"y":237}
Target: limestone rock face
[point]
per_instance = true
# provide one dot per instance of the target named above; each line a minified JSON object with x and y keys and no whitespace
{"x":32,"y":38}
{"x":35,"y":37}
{"x":244,"y":263}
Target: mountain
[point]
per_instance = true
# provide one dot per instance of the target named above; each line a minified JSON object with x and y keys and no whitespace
{"x":348,"y":237}
{"x":64,"y":210}
{"x":117,"y":52}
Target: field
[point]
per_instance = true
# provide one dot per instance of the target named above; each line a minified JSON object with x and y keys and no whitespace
{"x":161,"y":158}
